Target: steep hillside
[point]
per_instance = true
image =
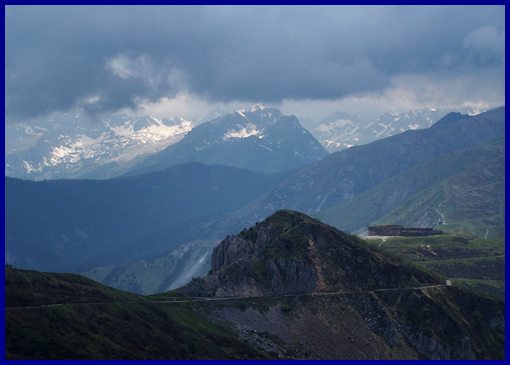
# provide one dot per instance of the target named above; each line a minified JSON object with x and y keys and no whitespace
{"x":106,"y":323}
{"x":74,"y":225}
{"x":471,"y":201}
{"x":475,"y":263}
{"x":258,"y":139}
{"x":462,"y":191}
{"x":33,"y":288}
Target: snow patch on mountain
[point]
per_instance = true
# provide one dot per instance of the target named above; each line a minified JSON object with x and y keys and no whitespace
{"x":155,"y":132}
{"x":246,"y":131}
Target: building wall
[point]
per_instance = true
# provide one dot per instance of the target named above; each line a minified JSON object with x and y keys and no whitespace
{"x":393,"y":230}
{"x":397,"y":230}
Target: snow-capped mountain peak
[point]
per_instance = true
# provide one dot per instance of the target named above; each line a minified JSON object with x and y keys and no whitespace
{"x":68,"y":146}
{"x":253,"y":109}
{"x":257,"y":107}
{"x":255,"y":138}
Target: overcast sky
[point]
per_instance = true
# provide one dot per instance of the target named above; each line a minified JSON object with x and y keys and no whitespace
{"x":307,"y":60}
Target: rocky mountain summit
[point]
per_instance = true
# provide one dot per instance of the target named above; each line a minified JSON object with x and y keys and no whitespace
{"x":291,"y":253}
{"x":258,"y":138}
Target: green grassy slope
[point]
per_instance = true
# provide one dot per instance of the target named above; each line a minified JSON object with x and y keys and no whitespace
{"x":115,"y":325}
{"x":32,"y":288}
{"x":470,"y":201}
{"x":472,"y":262}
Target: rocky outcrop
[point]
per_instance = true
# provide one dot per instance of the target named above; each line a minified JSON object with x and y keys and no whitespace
{"x":232,"y":249}
{"x":291,"y":253}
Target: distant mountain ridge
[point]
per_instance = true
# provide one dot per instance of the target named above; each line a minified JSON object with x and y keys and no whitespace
{"x":341,"y":130}
{"x":258,"y":138}
{"x":74,"y":145}
{"x":451,"y":118}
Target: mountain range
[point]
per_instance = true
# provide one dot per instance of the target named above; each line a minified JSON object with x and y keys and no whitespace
{"x":237,"y":261}
{"x":449,"y":175}
{"x":77,"y":145}
{"x":72,"y":146}
{"x":68,"y":145}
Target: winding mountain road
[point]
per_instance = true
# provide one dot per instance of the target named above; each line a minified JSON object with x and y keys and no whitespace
{"x":443,"y":218}
{"x":173,"y":300}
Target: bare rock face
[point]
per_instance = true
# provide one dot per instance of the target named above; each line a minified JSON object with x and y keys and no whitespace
{"x":233,"y":248}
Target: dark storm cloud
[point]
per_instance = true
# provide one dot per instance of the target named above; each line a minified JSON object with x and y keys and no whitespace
{"x":105,"y":58}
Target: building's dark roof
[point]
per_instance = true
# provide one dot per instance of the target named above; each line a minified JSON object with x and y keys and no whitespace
{"x":386,"y":226}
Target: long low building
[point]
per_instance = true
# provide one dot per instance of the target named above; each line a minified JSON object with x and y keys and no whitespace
{"x":398,"y":230}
